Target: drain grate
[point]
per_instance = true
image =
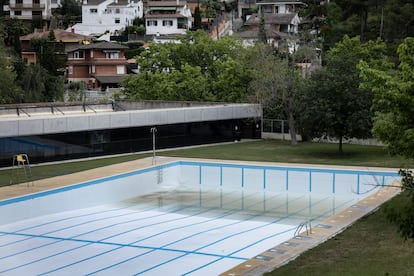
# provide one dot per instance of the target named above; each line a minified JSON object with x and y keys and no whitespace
{"x":277,"y":251}
{"x":324,"y":226}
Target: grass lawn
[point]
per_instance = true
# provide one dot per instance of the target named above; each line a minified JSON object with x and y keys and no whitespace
{"x":371,"y":246}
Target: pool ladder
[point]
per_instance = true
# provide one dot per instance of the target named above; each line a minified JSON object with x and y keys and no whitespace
{"x":307,"y":225}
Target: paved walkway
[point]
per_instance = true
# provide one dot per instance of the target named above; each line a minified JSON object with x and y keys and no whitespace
{"x":265,"y":262}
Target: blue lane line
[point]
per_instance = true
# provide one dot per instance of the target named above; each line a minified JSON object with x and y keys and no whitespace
{"x":123,"y":222}
{"x":220,"y":259}
{"x":187,"y":237}
{"x":192,"y":163}
{"x":261,"y":240}
{"x":84,"y":233}
{"x":88,"y":242}
{"x":83,"y":223}
{"x":92,"y":182}
{"x":227,"y":237}
{"x":86,"y":184}
{"x":54,"y":242}
{"x":71,"y":226}
{"x":154,"y":249}
{"x":117,"y":245}
{"x":281,"y":168}
{"x":171,"y":243}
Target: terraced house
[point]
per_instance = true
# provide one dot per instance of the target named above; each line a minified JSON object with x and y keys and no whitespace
{"x":167,"y":17}
{"x":99,"y":65}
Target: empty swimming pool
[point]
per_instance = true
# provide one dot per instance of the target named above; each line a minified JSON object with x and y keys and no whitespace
{"x":180,"y":218}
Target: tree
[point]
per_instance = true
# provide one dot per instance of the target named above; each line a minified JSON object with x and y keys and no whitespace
{"x":391,"y":20}
{"x":14,"y":28}
{"x":38,"y":85}
{"x":69,"y":12}
{"x":262,"y":30}
{"x":9,"y":91}
{"x":51,"y":54}
{"x":274,"y":83}
{"x":215,"y":64}
{"x":211,"y":10}
{"x":394,"y":100}
{"x":331,"y":101}
{"x":394,"y":122}
{"x":197,"y":19}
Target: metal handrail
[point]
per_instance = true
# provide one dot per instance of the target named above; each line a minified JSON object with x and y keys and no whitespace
{"x":301,"y":226}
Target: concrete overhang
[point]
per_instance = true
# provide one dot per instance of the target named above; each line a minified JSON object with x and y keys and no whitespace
{"x":41,"y":123}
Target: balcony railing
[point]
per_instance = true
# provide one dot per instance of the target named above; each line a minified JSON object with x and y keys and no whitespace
{"x":30,"y":6}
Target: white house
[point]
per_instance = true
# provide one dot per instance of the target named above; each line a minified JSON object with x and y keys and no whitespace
{"x":31,"y":9}
{"x":279,"y":6}
{"x":102,"y":16}
{"x":167,"y":17}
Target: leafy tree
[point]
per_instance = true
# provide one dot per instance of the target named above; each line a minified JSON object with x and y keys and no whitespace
{"x":211,"y":10}
{"x":231,"y":85}
{"x":69,"y":12}
{"x":38,"y":85}
{"x":197,"y":19}
{"x":391,"y":20}
{"x":275,"y":83}
{"x":76,"y":91}
{"x":331,"y":101}
{"x":51,"y":54}
{"x":398,"y":18}
{"x":10,"y":92}
{"x":262,"y":30}
{"x":13,"y":29}
{"x":187,"y":84}
{"x":394,"y":123}
{"x":210,"y":61}
{"x":394,"y":100}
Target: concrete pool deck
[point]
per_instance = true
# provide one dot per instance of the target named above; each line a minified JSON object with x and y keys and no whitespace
{"x":264,"y":262}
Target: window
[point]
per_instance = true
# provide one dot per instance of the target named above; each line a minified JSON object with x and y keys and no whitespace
{"x":117,"y":11}
{"x":78,"y":55}
{"x":167,"y":23}
{"x":120,"y":69}
{"x":91,"y":53}
{"x":70,"y":69}
{"x":36,"y":2}
{"x":19,"y":1}
{"x":152,"y":23}
{"x":92,"y":69}
{"x":117,"y":20}
{"x":17,"y":13}
{"x":93,"y":10}
{"x":112,"y":55}
{"x":37,"y":13}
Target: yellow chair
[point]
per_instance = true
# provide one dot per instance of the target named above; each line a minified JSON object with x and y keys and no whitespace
{"x":20,"y":159}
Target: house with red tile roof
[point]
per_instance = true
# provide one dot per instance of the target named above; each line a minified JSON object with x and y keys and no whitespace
{"x":69,"y":39}
{"x":99,"y":65}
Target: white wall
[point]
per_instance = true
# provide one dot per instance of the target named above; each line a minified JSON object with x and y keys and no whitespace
{"x":188,"y":175}
{"x":10,"y":127}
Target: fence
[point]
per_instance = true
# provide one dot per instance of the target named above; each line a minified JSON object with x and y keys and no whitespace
{"x":275,"y":126}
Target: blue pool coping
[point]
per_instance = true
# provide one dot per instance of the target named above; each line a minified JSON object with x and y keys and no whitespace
{"x":243,"y":166}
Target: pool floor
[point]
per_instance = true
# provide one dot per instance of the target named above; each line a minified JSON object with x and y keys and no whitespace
{"x":180,"y":232}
